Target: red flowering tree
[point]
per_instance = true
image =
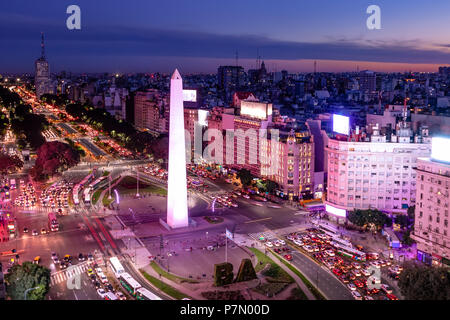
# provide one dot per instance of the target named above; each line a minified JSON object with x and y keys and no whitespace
{"x":54,"y":157}
{"x":9,"y":164}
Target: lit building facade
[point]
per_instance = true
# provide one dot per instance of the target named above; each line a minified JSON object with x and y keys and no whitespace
{"x":149,"y":111}
{"x":431,"y":229}
{"x":42,"y":81}
{"x":372,"y":174}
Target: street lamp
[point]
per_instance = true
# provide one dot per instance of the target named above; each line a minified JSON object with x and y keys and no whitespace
{"x":26,"y":291}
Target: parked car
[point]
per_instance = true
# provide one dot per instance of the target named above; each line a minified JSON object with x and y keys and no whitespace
{"x":385,"y":288}
{"x":101,"y":292}
{"x":351,"y":286}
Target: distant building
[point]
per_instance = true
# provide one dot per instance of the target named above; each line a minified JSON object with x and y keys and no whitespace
{"x":431,"y":226}
{"x":367,"y":81}
{"x":230,"y":77}
{"x":42,"y":81}
{"x":149,"y":111}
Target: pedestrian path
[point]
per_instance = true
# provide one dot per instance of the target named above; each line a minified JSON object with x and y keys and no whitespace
{"x":68,"y":273}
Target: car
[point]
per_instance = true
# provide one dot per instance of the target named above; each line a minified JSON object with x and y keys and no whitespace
{"x":391,"y":296}
{"x":109,"y":287}
{"x":246,"y":196}
{"x":277,"y":250}
{"x":288,"y":257}
{"x":63,"y":265}
{"x":43,"y":231}
{"x":93,"y":278}
{"x":356,"y":272}
{"x":337,"y":272}
{"x":90,"y":257}
{"x":67,"y":258}
{"x":330,"y":253}
{"x":34,"y":233}
{"x":37,"y":260}
{"x":81,"y":257}
{"x":90,"y":272}
{"x":101,"y":292}
{"x":282,"y":242}
{"x":351,"y":286}
{"x":365,"y":272}
{"x":356,"y":265}
{"x":103,"y":278}
{"x":351,"y":276}
{"x":298,"y":242}
{"x":277,"y":243}
{"x":269,"y":244}
{"x":356,"y":295}
{"x":55,"y":258}
{"x":343,"y":278}
{"x":120,"y":295}
{"x":25,"y":230}
{"x":358,"y":283}
{"x":386,"y":288}
{"x":368,"y":298}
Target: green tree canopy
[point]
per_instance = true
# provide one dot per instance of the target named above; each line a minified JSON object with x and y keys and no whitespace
{"x":245,"y":176}
{"x":371,"y":218}
{"x":424,"y":283}
{"x":26,"y":276}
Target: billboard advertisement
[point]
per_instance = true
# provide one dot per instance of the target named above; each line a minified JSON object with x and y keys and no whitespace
{"x":336,"y":211}
{"x":259,"y":110}
{"x":341,"y":124}
{"x":440,"y":149}
{"x":190,"y":95}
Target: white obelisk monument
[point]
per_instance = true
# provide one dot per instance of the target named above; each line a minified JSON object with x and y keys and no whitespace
{"x":177,"y":209}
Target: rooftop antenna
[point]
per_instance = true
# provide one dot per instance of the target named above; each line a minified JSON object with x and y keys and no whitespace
{"x":315,"y":67}
{"x":42,"y":46}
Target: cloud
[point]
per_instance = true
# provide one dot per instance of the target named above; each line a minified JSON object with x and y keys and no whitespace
{"x":122,"y":41}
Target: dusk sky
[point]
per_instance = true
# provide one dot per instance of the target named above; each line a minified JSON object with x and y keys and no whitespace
{"x":200,"y":35}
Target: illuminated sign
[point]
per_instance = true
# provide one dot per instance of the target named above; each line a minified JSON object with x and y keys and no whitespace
{"x":341,"y":124}
{"x":440,"y":149}
{"x":190,"y":95}
{"x":202,"y":117}
{"x":257,"y":110}
{"x":336,"y":211}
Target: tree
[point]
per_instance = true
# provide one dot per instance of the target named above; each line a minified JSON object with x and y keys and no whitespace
{"x":25,"y":276}
{"x":53,"y":157}
{"x":245,"y":176}
{"x":371,"y":219}
{"x":424,"y":283}
{"x":402,"y":220}
{"x":9,"y":163}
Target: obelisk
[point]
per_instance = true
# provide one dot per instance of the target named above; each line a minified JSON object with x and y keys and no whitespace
{"x":177,"y":209}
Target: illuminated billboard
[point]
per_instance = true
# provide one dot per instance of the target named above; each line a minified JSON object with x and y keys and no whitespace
{"x":440,"y":149}
{"x":341,"y":124}
{"x":259,"y":110}
{"x":190,"y":95}
{"x":336,"y":211}
{"x":202,"y":117}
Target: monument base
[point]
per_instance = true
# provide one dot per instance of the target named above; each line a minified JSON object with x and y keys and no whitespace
{"x":163,"y":222}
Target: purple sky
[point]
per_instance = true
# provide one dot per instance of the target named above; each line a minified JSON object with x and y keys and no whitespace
{"x":197,"y":36}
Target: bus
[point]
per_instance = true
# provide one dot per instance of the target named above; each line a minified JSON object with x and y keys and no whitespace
{"x":87,"y":195}
{"x":96,"y":183}
{"x":53,"y":224}
{"x":116,"y":266}
{"x":129,"y":283}
{"x":80,"y":185}
{"x":144,"y":294}
{"x":349,"y":252}
{"x":328,"y":229}
{"x":12,"y":185}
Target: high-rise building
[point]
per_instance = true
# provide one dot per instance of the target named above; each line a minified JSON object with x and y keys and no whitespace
{"x":373,"y":171}
{"x":42,"y":81}
{"x":148,"y":110}
{"x":367,"y":81}
{"x":230,"y":78}
{"x":431,"y":223}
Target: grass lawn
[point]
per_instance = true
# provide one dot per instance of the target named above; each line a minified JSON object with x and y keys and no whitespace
{"x":128,"y":186}
{"x":170,"y":276}
{"x":274,"y":271}
{"x":96,"y":195}
{"x":164,"y":287}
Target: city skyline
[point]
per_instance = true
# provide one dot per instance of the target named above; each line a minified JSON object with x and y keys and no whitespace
{"x":198,"y":37}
